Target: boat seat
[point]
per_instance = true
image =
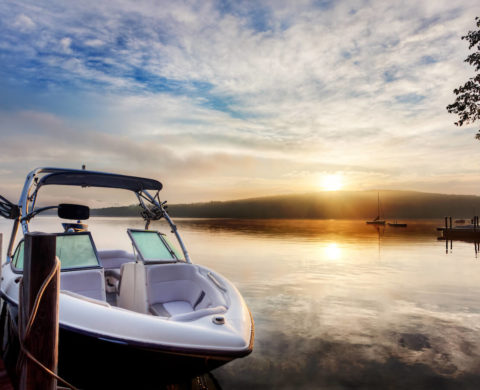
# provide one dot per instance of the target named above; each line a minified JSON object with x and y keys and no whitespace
{"x":88,"y":282}
{"x":180,"y":292}
{"x":131,"y":289}
{"x":171,"y":308}
{"x":112,"y":259}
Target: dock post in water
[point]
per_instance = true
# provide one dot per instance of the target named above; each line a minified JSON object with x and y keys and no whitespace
{"x":40,"y":333}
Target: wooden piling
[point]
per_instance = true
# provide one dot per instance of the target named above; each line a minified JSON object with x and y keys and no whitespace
{"x":5,"y":383}
{"x":42,"y":340}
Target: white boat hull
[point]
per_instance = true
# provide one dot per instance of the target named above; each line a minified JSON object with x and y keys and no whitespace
{"x":145,"y":315}
{"x":138,"y":346}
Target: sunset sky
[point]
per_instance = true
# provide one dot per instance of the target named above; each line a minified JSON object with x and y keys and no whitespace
{"x":232,"y":99}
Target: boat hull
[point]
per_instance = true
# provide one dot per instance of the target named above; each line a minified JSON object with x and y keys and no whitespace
{"x":92,"y":362}
{"x":114,"y":365}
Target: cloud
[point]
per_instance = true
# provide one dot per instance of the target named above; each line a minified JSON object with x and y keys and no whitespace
{"x":94,"y":42}
{"x":65,"y":44}
{"x":24,"y":23}
{"x":356,"y":85}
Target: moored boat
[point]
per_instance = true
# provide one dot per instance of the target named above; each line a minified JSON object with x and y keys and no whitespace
{"x":377,"y":220}
{"x":149,"y":314}
{"x":397,"y":224}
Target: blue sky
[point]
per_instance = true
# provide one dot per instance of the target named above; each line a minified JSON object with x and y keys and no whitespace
{"x":233,"y":99}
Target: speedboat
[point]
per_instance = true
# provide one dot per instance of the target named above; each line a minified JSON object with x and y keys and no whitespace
{"x":145,"y":314}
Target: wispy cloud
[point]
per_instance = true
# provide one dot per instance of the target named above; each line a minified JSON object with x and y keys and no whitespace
{"x":242,"y":94}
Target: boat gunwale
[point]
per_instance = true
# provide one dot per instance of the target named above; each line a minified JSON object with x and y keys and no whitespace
{"x":199,"y":352}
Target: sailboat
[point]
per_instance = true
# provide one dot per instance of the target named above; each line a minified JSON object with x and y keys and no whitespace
{"x":377,"y":220}
{"x":397,"y":224}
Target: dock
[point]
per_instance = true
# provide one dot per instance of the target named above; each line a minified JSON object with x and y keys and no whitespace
{"x":470,"y":232}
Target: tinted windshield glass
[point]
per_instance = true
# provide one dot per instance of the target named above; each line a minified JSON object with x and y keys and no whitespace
{"x":151,"y":246}
{"x":74,"y":251}
{"x":173,"y":248}
{"x":18,"y":256}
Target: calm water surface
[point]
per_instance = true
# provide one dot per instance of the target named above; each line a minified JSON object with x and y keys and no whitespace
{"x":338,"y":304}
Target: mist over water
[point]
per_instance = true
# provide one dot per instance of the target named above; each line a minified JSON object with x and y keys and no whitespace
{"x":337,"y":304}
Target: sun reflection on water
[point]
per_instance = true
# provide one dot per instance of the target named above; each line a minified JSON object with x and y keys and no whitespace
{"x":332,"y":251}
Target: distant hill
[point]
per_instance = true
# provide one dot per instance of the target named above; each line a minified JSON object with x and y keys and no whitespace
{"x":324,"y":205}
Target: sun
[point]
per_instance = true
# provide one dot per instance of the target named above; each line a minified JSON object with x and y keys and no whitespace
{"x":332,"y":182}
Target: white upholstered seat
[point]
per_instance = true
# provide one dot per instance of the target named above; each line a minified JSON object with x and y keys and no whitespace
{"x":180,"y":292}
{"x":88,"y":282}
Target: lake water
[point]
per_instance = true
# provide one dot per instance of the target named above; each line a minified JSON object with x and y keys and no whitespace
{"x":338,"y":304}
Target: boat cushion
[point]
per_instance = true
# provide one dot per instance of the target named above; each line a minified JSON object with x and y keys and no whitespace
{"x":172,"y":308}
{"x":180,"y":292}
{"x":89,"y":282}
{"x":159,"y":310}
{"x":178,"y":307}
{"x":132,"y":291}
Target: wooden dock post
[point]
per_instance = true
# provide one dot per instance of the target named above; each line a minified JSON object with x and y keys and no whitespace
{"x":42,"y":340}
{"x":4,"y":380}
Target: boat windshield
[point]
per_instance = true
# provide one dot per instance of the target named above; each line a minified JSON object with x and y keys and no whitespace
{"x":152,"y":246}
{"x":75,"y":250}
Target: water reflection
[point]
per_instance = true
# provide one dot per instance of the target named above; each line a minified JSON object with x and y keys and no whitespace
{"x":340,"y":304}
{"x":119,"y":381}
{"x":449,"y":246}
{"x":349,"y":230}
{"x":203,"y":382}
{"x":393,"y":313}
{"x":332,"y":251}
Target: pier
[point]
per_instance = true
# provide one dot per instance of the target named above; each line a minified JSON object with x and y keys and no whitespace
{"x":469,"y":232}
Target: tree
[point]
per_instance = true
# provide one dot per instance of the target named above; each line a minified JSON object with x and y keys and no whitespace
{"x":467,"y":103}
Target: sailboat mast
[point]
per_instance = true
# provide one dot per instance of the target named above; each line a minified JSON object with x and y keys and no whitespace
{"x":378,"y":204}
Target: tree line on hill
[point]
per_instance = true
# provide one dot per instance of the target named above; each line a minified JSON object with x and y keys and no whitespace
{"x":324,"y":205}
